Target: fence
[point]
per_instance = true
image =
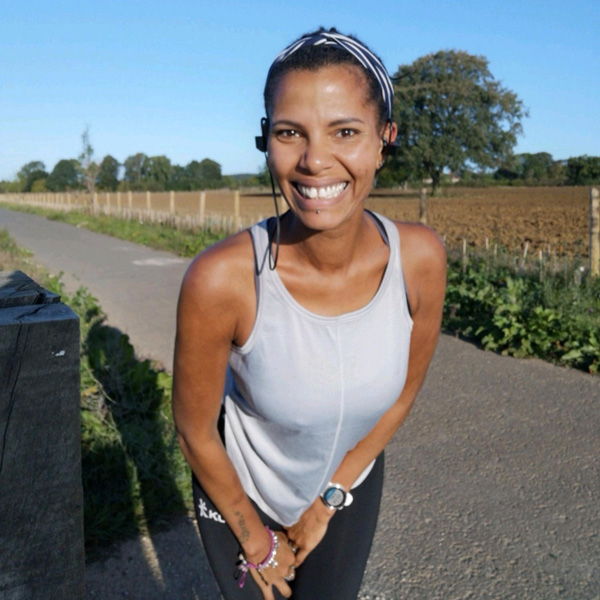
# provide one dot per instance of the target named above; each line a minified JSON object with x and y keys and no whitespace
{"x":215,"y":210}
{"x":555,"y":220}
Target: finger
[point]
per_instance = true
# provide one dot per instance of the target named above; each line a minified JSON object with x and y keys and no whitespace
{"x":265,"y":588}
{"x":300,"y":557}
{"x":284,"y":589}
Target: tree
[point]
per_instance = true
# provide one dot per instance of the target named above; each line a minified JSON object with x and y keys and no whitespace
{"x":452,"y":113}
{"x":583,"y":170}
{"x":89,"y":169}
{"x":135,"y":169}
{"x":64,"y":176}
{"x":30,"y":173}
{"x":158,"y":172}
{"x":210,"y":172}
{"x":108,"y":174}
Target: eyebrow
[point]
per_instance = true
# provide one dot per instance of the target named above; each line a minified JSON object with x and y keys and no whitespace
{"x":335,"y":123}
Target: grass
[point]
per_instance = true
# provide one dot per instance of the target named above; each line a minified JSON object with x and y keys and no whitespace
{"x":134,"y":476}
{"x":161,"y":237}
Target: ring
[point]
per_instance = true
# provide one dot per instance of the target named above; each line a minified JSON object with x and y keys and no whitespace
{"x":293,"y":546}
{"x":292,"y":574}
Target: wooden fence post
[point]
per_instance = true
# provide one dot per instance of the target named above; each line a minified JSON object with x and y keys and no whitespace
{"x":108,"y":201}
{"x":423,"y":206}
{"x":236,"y":210}
{"x":172,"y":202}
{"x":595,"y":232}
{"x":148,"y":201}
{"x":129,"y":200}
{"x":119,"y":201}
{"x":41,"y":497}
{"x":202,"y":207}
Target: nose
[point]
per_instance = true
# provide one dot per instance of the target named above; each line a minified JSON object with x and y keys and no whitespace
{"x":315,"y":157}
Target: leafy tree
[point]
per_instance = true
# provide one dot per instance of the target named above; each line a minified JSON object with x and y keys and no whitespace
{"x":135,"y":169}
{"x":30,"y":173}
{"x":452,"y":113}
{"x":88,"y":168}
{"x":210,"y":173}
{"x":39,"y":186}
{"x":108,"y":175}
{"x":64,"y":176}
{"x":583,"y":170}
{"x":158,"y":171}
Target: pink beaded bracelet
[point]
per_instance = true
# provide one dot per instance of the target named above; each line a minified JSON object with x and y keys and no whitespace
{"x":244,"y":565}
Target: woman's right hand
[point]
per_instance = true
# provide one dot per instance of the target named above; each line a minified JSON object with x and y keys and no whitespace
{"x":275,"y":576}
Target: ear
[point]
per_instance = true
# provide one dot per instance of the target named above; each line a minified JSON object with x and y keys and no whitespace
{"x":388,"y":139}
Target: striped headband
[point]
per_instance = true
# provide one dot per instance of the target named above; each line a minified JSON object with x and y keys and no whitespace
{"x":364,"y":56}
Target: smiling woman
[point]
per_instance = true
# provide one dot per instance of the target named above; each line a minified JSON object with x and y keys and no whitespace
{"x":302,"y":342}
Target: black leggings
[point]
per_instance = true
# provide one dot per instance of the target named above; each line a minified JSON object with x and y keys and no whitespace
{"x":332,"y":571}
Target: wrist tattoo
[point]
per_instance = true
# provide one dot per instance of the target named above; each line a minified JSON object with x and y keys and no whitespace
{"x":244,"y":533}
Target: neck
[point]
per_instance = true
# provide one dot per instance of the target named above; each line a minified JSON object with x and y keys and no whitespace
{"x":329,"y":251}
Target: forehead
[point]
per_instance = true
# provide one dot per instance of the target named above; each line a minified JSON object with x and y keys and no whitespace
{"x":335,"y":86}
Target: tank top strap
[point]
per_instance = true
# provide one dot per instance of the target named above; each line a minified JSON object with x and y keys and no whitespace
{"x":260,"y":241}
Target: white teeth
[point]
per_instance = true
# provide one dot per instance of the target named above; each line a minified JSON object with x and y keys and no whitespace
{"x":329,"y":191}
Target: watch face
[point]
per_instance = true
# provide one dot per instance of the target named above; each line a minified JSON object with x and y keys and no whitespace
{"x":334,"y":497}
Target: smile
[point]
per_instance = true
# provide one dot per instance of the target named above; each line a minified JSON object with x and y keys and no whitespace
{"x":325,"y":192}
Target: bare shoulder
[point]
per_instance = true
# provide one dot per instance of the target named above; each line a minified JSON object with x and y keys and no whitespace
{"x":219,"y":279}
{"x":421,"y":247}
{"x":423,"y":262}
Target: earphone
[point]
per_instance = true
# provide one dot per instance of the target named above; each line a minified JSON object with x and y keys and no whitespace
{"x":261,"y":140}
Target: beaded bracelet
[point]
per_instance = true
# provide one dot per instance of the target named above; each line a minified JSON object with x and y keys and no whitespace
{"x":244,"y":565}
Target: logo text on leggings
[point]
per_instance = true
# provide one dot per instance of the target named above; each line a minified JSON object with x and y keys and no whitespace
{"x":206,"y":513}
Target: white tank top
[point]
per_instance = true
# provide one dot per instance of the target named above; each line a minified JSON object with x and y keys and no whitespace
{"x":305,"y":389}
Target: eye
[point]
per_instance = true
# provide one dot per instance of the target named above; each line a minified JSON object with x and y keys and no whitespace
{"x":287,"y":134}
{"x":346,"y":132}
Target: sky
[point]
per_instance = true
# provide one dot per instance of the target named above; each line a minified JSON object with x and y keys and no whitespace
{"x":184,"y":78}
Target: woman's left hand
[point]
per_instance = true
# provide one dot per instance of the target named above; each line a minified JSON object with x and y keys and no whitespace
{"x":310,"y":529}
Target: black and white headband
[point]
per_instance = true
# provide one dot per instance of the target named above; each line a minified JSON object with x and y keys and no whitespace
{"x":366,"y":58}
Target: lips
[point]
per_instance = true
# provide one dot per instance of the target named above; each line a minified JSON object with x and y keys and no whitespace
{"x":326,"y":192}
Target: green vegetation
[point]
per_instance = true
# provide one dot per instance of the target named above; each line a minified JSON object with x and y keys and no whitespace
{"x":532,"y":312}
{"x":134,"y":475}
{"x":452,"y":113}
{"x":161,"y":237}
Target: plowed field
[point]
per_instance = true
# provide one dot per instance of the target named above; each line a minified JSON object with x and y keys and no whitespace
{"x":552,"y":219}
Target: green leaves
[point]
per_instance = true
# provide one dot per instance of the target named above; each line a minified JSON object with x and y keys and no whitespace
{"x":556,"y":319}
{"x":451,"y":112}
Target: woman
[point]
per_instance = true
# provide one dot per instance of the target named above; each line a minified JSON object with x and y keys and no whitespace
{"x":301,"y":344}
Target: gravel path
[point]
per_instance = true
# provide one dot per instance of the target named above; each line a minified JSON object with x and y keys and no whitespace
{"x":492,"y":486}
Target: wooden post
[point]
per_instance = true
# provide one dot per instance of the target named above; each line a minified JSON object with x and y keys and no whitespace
{"x":172,"y":202}
{"x":423,"y":206}
{"x":236,"y":209}
{"x":464,"y":256}
{"x":95,"y":202}
{"x":108,"y":201}
{"x":594,"y":232}
{"x":148,"y":201}
{"x":41,"y":497}
{"x":129,"y":200}
{"x":202,"y":207}
{"x":119,"y":201}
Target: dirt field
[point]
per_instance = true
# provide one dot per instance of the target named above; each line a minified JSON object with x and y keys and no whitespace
{"x":552,"y":219}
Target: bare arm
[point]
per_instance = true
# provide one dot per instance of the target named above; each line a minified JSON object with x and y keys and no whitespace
{"x":424,"y":263}
{"x":210,"y":305}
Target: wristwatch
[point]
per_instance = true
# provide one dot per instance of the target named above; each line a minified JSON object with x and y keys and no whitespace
{"x":336,"y":497}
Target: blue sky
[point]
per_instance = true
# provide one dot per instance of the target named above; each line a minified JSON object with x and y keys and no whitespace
{"x":184,"y":79}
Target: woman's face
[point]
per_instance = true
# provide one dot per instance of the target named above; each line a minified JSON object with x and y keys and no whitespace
{"x":325,"y":143}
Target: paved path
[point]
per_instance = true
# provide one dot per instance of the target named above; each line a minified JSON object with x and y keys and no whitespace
{"x":492,"y":486}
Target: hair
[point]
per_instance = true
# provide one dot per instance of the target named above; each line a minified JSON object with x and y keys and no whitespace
{"x":313,"y":58}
